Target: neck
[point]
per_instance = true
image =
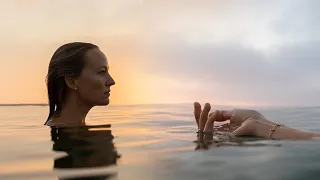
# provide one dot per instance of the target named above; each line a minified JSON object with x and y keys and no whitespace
{"x":73,"y":111}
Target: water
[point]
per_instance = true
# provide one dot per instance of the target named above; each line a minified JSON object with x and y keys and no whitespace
{"x":153,"y":142}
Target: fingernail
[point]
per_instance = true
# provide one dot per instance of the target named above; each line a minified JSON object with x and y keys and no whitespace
{"x":207,"y":107}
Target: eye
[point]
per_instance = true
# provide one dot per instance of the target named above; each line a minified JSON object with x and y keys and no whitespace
{"x":103,"y":72}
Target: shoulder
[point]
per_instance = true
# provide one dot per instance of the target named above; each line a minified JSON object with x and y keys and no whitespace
{"x":52,"y":123}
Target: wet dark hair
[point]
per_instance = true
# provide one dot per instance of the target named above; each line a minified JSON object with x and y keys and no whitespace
{"x":67,"y":61}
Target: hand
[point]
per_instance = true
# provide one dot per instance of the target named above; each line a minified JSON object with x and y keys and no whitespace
{"x":242,"y":121}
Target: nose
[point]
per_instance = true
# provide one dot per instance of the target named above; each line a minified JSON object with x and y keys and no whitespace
{"x":110,"y":81}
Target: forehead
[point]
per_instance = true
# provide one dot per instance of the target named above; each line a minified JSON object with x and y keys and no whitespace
{"x":96,"y":58}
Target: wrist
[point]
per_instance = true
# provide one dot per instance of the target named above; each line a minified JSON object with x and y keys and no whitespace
{"x":264,"y":129}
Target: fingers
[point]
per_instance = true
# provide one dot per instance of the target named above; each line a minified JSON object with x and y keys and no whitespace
{"x":204,"y":116}
{"x":224,"y":127}
{"x":202,"y":120}
{"x":197,"y":112}
{"x":226,"y":114}
{"x":223,"y":115}
{"x":209,"y":124}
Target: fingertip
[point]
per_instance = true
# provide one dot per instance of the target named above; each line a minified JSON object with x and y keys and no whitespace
{"x":196,"y":105}
{"x":207,"y":106}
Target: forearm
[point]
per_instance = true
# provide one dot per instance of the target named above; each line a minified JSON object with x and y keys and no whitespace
{"x":282,"y":132}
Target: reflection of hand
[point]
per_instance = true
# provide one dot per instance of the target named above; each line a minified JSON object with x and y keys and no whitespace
{"x":242,"y":121}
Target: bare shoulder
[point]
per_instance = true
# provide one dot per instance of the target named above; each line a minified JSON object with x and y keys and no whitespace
{"x":53,"y":123}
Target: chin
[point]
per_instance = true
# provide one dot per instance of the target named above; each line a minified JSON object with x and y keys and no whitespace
{"x":103,"y":103}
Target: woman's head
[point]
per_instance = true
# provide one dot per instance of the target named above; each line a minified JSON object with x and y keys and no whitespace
{"x":78,"y":71}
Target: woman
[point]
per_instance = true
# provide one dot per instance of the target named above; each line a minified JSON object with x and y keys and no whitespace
{"x":246,"y":122}
{"x":77,"y":80}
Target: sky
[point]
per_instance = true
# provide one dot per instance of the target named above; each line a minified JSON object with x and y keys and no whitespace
{"x":225,"y":52}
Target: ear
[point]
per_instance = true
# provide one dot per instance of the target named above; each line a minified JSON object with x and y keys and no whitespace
{"x":71,"y":83}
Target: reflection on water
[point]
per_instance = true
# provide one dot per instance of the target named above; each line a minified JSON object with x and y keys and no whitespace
{"x":217,"y":139}
{"x":155,"y":142}
{"x":85,"y":147}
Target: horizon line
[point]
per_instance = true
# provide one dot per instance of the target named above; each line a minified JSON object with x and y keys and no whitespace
{"x":168,"y":103}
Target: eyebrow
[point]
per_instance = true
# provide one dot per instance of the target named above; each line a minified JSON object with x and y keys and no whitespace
{"x":105,"y":67}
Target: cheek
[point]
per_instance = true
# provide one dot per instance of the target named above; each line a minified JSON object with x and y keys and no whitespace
{"x":91,"y":85}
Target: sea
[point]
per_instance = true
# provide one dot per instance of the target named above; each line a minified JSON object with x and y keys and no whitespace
{"x":150,"y":142}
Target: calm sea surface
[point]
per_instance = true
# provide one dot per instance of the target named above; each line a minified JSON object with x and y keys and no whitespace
{"x":149,"y":142}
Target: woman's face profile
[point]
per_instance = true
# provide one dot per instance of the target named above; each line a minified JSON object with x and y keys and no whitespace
{"x":95,"y":81}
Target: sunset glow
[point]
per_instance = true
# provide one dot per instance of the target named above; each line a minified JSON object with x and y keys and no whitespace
{"x":248,"y":53}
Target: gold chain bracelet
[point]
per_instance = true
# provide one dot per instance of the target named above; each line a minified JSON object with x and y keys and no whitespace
{"x":274,"y":128}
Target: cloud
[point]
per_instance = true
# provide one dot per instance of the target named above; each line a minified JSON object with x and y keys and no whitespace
{"x":297,"y":21}
{"x":240,"y":73}
{"x":263,"y":51}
